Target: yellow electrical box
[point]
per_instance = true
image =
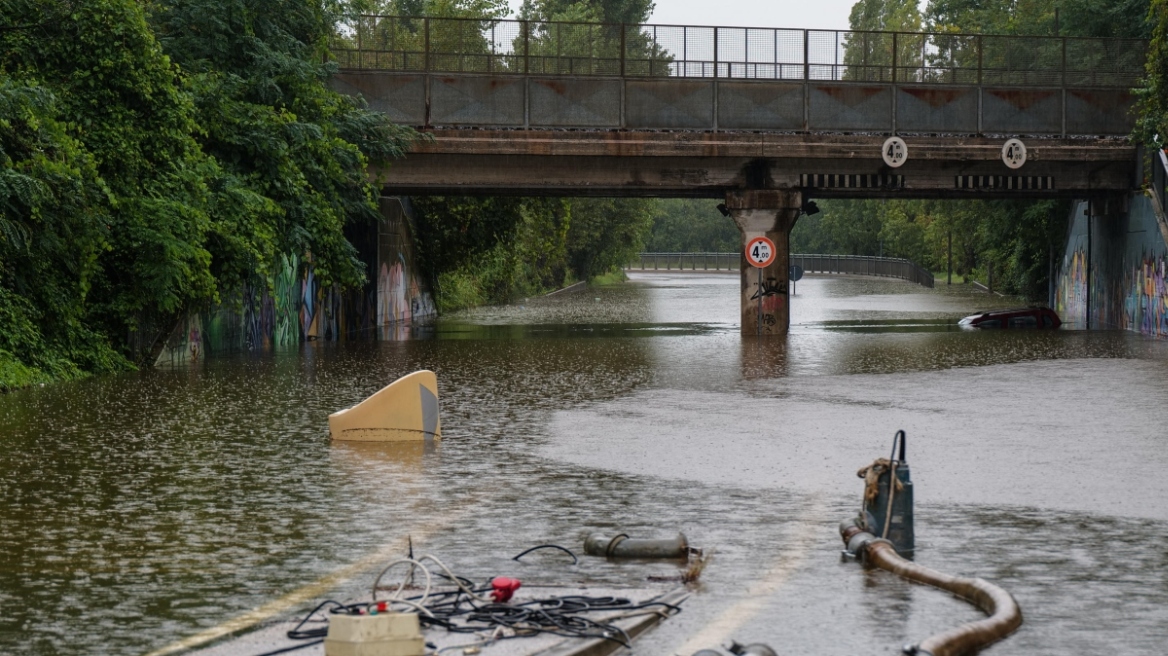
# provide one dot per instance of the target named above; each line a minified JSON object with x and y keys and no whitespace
{"x":384,"y":634}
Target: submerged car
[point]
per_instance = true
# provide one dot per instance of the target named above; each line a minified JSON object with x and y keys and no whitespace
{"x":1033,"y":317}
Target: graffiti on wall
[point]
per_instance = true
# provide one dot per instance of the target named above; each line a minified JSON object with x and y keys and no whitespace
{"x":185,"y":343}
{"x":1145,"y":308}
{"x":292,"y":306}
{"x":1125,"y":287}
{"x":1071,"y":295}
{"x":401,"y":298}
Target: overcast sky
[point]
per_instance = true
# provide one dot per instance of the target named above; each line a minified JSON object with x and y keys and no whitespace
{"x":819,"y":14}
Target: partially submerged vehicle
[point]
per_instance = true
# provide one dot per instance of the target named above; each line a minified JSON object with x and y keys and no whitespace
{"x":1030,"y":317}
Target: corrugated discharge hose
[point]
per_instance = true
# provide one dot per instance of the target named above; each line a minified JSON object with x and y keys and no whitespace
{"x":1004,"y":614}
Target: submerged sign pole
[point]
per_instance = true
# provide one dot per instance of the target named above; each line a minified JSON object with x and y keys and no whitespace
{"x":760,"y":252}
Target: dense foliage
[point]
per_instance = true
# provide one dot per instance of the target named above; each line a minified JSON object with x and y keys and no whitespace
{"x":53,"y":226}
{"x":154,"y":160}
{"x":692,"y":226}
{"x":154,"y":156}
{"x":492,"y":250}
{"x":1014,"y":239}
{"x":1154,"y":102}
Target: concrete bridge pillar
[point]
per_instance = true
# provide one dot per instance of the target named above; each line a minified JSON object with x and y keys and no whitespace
{"x":770,"y":213}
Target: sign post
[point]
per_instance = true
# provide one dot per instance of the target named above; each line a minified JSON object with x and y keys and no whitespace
{"x":760,"y":252}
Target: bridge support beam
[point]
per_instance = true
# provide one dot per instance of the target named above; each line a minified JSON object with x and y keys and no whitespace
{"x":770,"y":213}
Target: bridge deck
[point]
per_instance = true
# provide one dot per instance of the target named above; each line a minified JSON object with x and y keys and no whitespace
{"x":581,"y":109}
{"x":696,"y":164}
{"x":461,"y":72}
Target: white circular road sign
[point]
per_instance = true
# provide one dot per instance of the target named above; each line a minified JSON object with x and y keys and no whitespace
{"x":760,"y":252}
{"x":894,"y":152}
{"x":1014,"y":153}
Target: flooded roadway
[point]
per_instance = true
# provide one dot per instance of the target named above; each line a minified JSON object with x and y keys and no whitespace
{"x":140,"y":509}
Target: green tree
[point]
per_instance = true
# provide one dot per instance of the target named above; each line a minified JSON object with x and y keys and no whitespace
{"x":692,"y":225}
{"x":1086,"y":18}
{"x":124,"y":104}
{"x":54,"y":209}
{"x":606,"y":233}
{"x":293,"y":152}
{"x":1153,"y":107}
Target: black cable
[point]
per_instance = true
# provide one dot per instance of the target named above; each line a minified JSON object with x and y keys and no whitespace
{"x":285,"y":650}
{"x":297,"y":634}
{"x":458,"y":612}
{"x":575,"y":560}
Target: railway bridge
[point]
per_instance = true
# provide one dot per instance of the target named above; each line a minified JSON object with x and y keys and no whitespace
{"x":766,"y":119}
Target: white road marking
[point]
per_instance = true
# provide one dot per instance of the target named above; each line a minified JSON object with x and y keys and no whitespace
{"x":759,"y":594}
{"x":305,"y":594}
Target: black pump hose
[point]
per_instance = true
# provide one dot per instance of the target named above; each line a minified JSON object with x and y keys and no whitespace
{"x":575,"y":560}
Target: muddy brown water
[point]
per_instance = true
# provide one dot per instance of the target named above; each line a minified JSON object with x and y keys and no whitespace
{"x":140,"y":509}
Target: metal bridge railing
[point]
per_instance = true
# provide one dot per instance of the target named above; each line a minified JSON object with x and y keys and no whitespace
{"x":463,"y":45}
{"x":859,"y":265}
{"x":1160,"y":179}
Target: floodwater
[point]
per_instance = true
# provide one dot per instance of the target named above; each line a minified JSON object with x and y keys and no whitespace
{"x":142,"y":509}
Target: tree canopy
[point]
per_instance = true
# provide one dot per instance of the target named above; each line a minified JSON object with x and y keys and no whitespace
{"x":1014,"y":238}
{"x":157,"y":155}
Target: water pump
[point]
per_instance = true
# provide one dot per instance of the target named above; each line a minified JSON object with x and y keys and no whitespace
{"x":888,"y":499}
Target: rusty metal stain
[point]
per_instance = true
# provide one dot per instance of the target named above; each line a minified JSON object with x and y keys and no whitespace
{"x":1106,"y":100}
{"x":669,"y":104}
{"x":695,"y":177}
{"x":1023,"y":100}
{"x":851,"y":95}
{"x":555,"y":86}
{"x":760,"y":105}
{"x":936,"y":97}
{"x":477,"y":100}
{"x":575,"y":103}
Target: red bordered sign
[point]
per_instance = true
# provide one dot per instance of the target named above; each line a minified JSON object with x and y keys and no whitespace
{"x":760,"y":252}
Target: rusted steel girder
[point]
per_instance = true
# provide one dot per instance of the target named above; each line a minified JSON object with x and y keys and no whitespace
{"x":1004,"y":614}
{"x":703,"y":164}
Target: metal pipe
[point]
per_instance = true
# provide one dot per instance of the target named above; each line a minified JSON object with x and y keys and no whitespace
{"x":1004,"y":614}
{"x":622,"y":546}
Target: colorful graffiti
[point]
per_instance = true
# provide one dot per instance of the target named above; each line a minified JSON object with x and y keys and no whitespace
{"x":1145,"y":307}
{"x":1071,"y":296}
{"x":1125,"y":286}
{"x":292,"y":306}
{"x":399,"y":296}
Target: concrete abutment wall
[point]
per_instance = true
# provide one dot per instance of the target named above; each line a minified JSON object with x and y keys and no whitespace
{"x":1114,"y":269}
{"x":294,"y":307}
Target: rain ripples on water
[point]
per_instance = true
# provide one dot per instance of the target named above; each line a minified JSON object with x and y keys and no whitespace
{"x":136,"y":510}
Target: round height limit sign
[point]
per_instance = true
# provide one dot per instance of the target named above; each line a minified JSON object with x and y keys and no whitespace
{"x":760,"y":252}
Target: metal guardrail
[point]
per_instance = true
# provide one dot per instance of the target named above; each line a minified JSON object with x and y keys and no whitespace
{"x":1160,"y":179}
{"x":686,"y":262}
{"x":858,"y":265}
{"x":464,"y":45}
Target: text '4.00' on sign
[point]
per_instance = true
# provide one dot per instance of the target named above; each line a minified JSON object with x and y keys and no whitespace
{"x":760,"y":252}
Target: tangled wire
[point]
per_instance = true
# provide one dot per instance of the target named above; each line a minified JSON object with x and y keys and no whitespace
{"x":466,"y":610}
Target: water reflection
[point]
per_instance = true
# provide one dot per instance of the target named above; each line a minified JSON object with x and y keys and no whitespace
{"x":158,"y":503}
{"x":764,"y":357}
